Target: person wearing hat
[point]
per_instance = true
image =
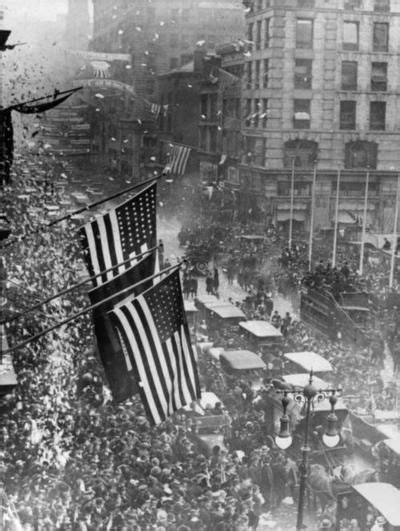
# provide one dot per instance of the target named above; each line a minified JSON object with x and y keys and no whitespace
{"x":379,"y":524}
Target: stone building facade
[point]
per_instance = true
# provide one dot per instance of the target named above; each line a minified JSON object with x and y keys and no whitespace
{"x":321,"y":88}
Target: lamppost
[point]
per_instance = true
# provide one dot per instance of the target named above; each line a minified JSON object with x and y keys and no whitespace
{"x":308,"y":394}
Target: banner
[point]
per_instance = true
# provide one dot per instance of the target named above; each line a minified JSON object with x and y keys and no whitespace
{"x":99,"y":56}
{"x":105,"y":83}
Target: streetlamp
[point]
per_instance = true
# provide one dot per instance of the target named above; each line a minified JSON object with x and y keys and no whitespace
{"x":308,"y":394}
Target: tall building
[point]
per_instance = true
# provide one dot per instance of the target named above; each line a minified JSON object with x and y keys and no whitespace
{"x":321,"y":88}
{"x":161,"y":35}
{"x":78,"y":25}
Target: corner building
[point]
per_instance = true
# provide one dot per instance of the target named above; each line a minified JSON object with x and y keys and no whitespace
{"x":320,"y":87}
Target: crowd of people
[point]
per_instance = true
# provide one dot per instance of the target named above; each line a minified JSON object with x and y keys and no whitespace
{"x":72,"y":459}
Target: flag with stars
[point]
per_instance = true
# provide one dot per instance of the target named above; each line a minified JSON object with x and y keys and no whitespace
{"x":121,"y":233}
{"x":155,"y":333}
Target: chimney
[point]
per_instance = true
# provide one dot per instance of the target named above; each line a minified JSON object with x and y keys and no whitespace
{"x":198,"y":57}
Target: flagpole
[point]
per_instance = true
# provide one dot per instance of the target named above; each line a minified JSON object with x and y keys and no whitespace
{"x":84,"y":209}
{"x":336,"y":218}
{"x":75,"y":286}
{"x":310,"y":243}
{"x":364,"y":225}
{"x":394,"y":244}
{"x":89,"y":308}
{"x":11,"y":107}
{"x":291,"y":208}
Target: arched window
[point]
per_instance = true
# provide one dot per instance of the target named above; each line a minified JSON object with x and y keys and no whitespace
{"x":303,"y":152}
{"x":361,"y":154}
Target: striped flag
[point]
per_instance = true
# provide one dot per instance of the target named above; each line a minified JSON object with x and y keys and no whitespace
{"x":113,"y":355}
{"x":121,"y":233}
{"x":178,"y":159}
{"x":155,"y":109}
{"x":154,"y":330}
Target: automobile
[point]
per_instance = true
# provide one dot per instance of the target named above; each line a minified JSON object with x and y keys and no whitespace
{"x":307,"y":361}
{"x":261,"y":335}
{"x":224,"y":317}
{"x":245,"y":365}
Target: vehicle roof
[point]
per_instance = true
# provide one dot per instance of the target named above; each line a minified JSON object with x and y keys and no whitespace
{"x":228,"y":311}
{"x":209,"y":399}
{"x":190,"y":307}
{"x":355,"y":308}
{"x":252,"y":236}
{"x":310,"y":361}
{"x":203,"y":299}
{"x":260,"y":328}
{"x":384,"y":497}
{"x":216,"y":352}
{"x":393,"y":444}
{"x":242,"y":360}
{"x":302,"y":379}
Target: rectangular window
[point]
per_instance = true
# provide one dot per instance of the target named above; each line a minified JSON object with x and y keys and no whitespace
{"x":255,"y":150}
{"x":382,"y":6}
{"x":350,"y":5}
{"x":174,"y":40}
{"x":350,"y":35}
{"x":349,"y":75}
{"x":203,"y":106}
{"x":303,"y":74}
{"x":264,"y":113}
{"x":302,"y":116}
{"x":257,"y":112}
{"x":266,"y":73}
{"x":347,"y":115}
{"x":249,"y":75}
{"x":248,"y":113}
{"x":258,"y":34}
{"x":250,"y":31}
{"x":267,"y":35}
{"x":257,"y":74}
{"x":305,"y":3}
{"x":381,"y":37}
{"x":213,"y":139}
{"x":211,"y":41}
{"x":377,"y":115}
{"x":203,"y":138}
{"x":304,"y":33}
{"x":185,"y":41}
{"x":379,"y":77}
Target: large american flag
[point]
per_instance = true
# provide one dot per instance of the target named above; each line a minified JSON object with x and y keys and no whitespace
{"x":112,"y":352}
{"x":178,"y":159}
{"x":121,"y":233}
{"x":154,"y":330}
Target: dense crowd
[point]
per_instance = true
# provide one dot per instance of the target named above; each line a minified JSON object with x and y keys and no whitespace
{"x":73,"y":459}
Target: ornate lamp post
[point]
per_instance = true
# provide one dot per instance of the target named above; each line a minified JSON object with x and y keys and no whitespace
{"x":308,"y":394}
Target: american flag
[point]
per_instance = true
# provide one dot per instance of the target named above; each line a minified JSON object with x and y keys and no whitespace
{"x":155,"y":109}
{"x":178,"y":159}
{"x":115,"y":360}
{"x":154,"y":330}
{"x":121,"y":233}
